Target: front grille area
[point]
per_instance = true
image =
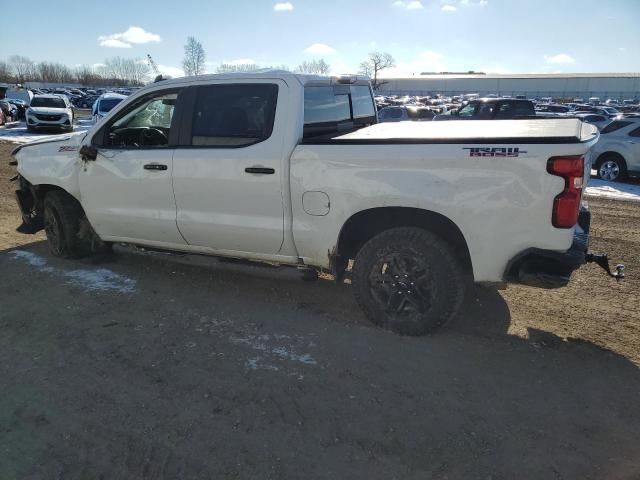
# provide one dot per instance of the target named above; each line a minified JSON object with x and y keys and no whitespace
{"x":48,"y":118}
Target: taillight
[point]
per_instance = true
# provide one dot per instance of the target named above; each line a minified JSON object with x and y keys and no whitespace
{"x":566,"y":205}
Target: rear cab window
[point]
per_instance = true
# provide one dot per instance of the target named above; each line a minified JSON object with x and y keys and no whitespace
{"x":331,"y":109}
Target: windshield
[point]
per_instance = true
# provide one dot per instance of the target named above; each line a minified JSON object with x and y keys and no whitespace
{"x":107,"y":104}
{"x":611,"y":110}
{"x":48,"y":102}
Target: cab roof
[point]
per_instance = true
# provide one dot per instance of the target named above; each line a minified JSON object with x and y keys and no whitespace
{"x":301,"y":78}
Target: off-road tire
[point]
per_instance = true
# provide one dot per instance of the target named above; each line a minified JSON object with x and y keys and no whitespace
{"x":440,"y":287}
{"x":63,"y":219}
{"x":618,"y":160}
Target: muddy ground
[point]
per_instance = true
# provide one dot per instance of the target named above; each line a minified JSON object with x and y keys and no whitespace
{"x":157,"y":367}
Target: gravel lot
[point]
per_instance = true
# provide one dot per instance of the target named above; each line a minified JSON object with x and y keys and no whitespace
{"x":160,"y":367}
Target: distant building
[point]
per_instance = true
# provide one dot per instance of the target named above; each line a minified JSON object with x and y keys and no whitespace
{"x":561,"y":85}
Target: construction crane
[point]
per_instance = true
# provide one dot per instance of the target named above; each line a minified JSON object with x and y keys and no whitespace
{"x":152,"y":64}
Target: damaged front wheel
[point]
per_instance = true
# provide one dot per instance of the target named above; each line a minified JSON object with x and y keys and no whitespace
{"x":64,"y":223}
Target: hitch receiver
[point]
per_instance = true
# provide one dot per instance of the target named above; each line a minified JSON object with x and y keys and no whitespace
{"x":603,"y":260}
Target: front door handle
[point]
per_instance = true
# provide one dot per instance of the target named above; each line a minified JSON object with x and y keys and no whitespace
{"x":262,"y":170}
{"x":155,"y":166}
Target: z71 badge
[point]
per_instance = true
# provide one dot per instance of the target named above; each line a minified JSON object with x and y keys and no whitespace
{"x":67,"y":149}
{"x":494,"y":151}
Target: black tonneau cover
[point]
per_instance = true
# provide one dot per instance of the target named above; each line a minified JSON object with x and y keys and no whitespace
{"x":542,"y":131}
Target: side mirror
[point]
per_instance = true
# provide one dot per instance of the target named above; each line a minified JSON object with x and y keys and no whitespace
{"x":88,"y":153}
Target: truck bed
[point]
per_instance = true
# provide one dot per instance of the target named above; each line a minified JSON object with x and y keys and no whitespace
{"x":543,"y":131}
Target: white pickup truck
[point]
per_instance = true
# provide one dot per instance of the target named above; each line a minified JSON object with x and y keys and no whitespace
{"x":295,"y":170}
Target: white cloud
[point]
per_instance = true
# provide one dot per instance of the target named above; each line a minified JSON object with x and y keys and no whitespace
{"x":171,"y":71}
{"x":320,"y":49}
{"x":409,"y":5}
{"x":483,"y":3}
{"x":448,"y":8}
{"x":133,"y":34}
{"x":283,"y":7}
{"x":560,"y":59}
{"x":98,"y":65}
{"x":113,"y":43}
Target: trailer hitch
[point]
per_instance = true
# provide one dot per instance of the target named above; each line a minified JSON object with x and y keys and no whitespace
{"x":602,"y":259}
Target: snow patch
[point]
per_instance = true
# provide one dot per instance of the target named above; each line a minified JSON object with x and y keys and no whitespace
{"x":613,"y":190}
{"x":272,"y":349}
{"x":20,"y":134}
{"x":100,"y":279}
{"x":32,"y":259}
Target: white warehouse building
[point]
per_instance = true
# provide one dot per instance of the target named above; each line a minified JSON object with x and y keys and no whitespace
{"x":619,"y":86}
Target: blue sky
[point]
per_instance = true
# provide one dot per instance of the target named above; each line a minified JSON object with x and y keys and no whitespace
{"x":500,"y":36}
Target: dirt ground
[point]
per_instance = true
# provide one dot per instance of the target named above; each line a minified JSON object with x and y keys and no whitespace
{"x":160,"y":367}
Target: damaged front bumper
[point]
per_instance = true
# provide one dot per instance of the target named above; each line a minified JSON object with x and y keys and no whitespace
{"x":551,"y":269}
{"x":26,"y":198}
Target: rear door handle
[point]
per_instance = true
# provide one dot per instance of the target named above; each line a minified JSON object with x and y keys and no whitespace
{"x":261,"y":170}
{"x":155,"y":166}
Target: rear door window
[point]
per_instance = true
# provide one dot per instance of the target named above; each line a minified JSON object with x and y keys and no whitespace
{"x":233,"y":115}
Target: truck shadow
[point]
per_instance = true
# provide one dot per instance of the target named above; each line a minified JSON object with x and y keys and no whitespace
{"x":274,"y":367}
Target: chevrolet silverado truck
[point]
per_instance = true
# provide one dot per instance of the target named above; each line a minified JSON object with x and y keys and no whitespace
{"x":295,"y":170}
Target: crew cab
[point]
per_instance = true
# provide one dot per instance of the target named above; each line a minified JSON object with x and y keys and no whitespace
{"x":295,"y":170}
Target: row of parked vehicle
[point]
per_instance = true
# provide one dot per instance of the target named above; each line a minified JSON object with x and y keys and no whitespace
{"x":83,"y":97}
{"x":401,"y":108}
{"x":55,"y":111}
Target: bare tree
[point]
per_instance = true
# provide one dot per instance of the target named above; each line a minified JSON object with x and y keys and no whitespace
{"x":86,"y":75}
{"x":318,"y":67}
{"x":125,"y":71}
{"x":193,"y":63}
{"x":5,"y":72}
{"x":240,"y":67}
{"x":53,"y":72}
{"x":22,"y":67}
{"x":375,"y":64}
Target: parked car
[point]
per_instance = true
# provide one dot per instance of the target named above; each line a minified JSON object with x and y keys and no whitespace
{"x":492,"y":109}
{"x":104,"y":104}
{"x":292,"y":170}
{"x":21,"y":107}
{"x":85,"y":102}
{"x":9,"y":110}
{"x":617,"y":153}
{"x":552,"y":108}
{"x":50,"y":112}
{"x":599,"y":121}
{"x":404,"y":113}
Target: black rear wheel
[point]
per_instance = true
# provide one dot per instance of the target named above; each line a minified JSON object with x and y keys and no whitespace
{"x":408,"y":280}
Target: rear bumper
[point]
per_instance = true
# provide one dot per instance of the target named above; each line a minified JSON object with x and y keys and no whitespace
{"x":549,"y":268}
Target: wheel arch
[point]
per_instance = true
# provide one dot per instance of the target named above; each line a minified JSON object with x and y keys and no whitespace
{"x":365,"y":224}
{"x":609,"y":152}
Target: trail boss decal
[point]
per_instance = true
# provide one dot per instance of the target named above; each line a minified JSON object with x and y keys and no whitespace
{"x":67,"y":149}
{"x":494,"y":151}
